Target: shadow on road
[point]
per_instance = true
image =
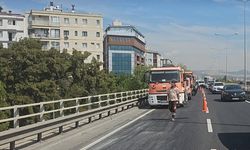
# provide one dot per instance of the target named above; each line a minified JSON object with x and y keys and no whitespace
{"x":143,"y":104}
{"x":228,"y":101}
{"x":235,"y":141}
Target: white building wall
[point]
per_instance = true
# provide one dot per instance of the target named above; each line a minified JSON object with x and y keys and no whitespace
{"x":19,"y":30}
{"x":149,"y":59}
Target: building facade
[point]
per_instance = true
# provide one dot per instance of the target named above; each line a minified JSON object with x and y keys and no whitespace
{"x":12,"y":28}
{"x":153,"y":59}
{"x":124,"y":48}
{"x":67,"y":31}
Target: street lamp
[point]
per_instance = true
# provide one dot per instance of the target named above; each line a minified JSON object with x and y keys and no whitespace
{"x":245,"y":51}
{"x":217,"y":34}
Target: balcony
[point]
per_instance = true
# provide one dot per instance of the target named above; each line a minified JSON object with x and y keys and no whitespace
{"x":33,"y":35}
{"x":40,"y":23}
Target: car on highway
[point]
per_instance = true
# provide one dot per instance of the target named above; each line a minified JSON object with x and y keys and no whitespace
{"x":201,"y":83}
{"x":217,"y":87}
{"x":233,"y":92}
{"x":209,"y":84}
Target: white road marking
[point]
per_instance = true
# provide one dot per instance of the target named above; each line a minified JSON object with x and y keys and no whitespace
{"x":116,"y":130}
{"x":213,"y":149}
{"x":209,"y":125}
{"x":247,"y":101}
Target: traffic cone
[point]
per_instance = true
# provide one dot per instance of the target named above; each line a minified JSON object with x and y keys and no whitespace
{"x":204,"y":108}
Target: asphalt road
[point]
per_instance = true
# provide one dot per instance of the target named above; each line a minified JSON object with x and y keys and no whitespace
{"x":229,"y":128}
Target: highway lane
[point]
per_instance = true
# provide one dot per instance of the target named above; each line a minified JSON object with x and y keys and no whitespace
{"x":230,"y":124}
{"x":156,"y":131}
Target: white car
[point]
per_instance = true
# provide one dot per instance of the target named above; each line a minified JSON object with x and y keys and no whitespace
{"x":217,"y":87}
{"x":201,"y":83}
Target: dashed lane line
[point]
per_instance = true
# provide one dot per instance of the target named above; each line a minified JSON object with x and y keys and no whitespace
{"x":113,"y":132}
{"x":209,"y":126}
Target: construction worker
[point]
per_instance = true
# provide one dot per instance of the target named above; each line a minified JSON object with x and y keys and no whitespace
{"x":173,"y":99}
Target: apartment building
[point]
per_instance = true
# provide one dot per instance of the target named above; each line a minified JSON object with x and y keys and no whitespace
{"x":67,"y":31}
{"x":153,"y":59}
{"x":12,"y":27}
{"x":124,"y":48}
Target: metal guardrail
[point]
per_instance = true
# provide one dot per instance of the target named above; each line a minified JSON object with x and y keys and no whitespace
{"x":92,"y":106}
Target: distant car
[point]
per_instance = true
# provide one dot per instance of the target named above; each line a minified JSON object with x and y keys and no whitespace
{"x":217,"y":87}
{"x":233,"y":92}
{"x":211,"y":85}
{"x":201,"y":83}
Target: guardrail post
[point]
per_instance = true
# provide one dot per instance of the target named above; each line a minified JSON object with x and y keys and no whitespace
{"x":41,"y":112}
{"x":100,"y":116}
{"x":77,"y":105}
{"x":90,"y":119}
{"x":77,"y":124}
{"x":60,"y":129}
{"x":39,"y":137}
{"x":16,"y":117}
{"x":61,"y":108}
{"x":12,"y":145}
{"x":99,"y":102}
{"x":89,"y":102}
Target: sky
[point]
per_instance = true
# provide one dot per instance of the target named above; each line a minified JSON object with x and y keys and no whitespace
{"x":197,"y":33}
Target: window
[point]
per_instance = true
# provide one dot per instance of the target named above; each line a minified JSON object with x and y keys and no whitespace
{"x":84,"y":21}
{"x":75,"y":43}
{"x":84,"y":33}
{"x":55,"y":19}
{"x":66,"y":33}
{"x":11,"y":22}
{"x":1,"y":33}
{"x":55,"y":45}
{"x":84,"y":45}
{"x":76,"y":21}
{"x":97,"y":45}
{"x":98,"y":57}
{"x":97,"y":34}
{"x":55,"y":33}
{"x":98,"y":22}
{"x":92,"y":44}
{"x":76,"y":33}
{"x":66,"y":20}
{"x":66,"y":44}
{"x":121,"y":63}
{"x":164,"y":76}
{"x":1,"y":22}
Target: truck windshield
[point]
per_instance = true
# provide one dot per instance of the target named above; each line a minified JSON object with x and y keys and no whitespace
{"x":164,"y":76}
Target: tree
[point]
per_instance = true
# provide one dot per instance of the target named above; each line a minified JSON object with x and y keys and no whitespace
{"x":3,"y":126}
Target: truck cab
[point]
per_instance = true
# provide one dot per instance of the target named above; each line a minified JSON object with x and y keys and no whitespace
{"x":160,"y":83}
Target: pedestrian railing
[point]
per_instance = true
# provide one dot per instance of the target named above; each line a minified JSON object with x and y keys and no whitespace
{"x":64,"y":112}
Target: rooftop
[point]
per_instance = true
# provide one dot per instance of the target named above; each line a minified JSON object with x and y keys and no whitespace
{"x":125,"y":26}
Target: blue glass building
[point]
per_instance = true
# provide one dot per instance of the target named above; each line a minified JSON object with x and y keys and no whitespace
{"x":124,"y":49}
